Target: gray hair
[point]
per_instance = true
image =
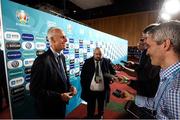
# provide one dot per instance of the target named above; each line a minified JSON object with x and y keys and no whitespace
{"x":50,"y":32}
{"x":169,"y":30}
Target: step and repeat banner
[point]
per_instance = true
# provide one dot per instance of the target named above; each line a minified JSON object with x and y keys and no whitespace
{"x":25,"y":31}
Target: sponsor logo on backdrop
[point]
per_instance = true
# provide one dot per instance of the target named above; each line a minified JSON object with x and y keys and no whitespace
{"x":27,"y":86}
{"x":14,"y":55}
{"x":17,"y":90}
{"x":22,"y":17}
{"x":28,"y":62}
{"x":15,"y":72}
{"x":72,"y":61}
{"x":18,"y":97}
{"x":12,"y":36}
{"x":71,"y":40}
{"x":27,"y":70}
{"x":27,"y":37}
{"x":88,"y":50}
{"x":14,"y":64}
{"x":67,"y":45}
{"x":76,"y":50}
{"x":80,"y":45}
{"x":71,"y":66}
{"x":28,"y":53}
{"x":72,"y":71}
{"x":77,"y":74}
{"x":40,"y":38}
{"x":13,"y":45}
{"x":76,"y":55}
{"x":28,"y":45}
{"x":39,"y":52}
{"x":65,"y":51}
{"x":16,"y":82}
{"x":71,"y":46}
{"x":40,"y":46}
{"x":27,"y":78}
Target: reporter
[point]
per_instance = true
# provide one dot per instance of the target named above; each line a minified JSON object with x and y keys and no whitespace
{"x":166,"y":39}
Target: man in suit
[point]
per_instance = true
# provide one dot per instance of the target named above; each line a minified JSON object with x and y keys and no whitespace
{"x":49,"y":83}
{"x":147,"y":74}
{"x":95,"y":82}
{"x":3,"y":84}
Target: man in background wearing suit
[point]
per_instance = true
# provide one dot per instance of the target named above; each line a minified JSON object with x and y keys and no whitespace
{"x":49,"y":83}
{"x":95,"y":82}
{"x":147,"y":74}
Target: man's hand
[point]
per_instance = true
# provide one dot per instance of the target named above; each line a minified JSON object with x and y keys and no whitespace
{"x":73,"y":91}
{"x":66,"y":96}
{"x":128,"y":96}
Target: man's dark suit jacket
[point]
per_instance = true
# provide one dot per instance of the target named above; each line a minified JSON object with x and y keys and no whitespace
{"x":147,"y":75}
{"x":87,"y":74}
{"x":46,"y":86}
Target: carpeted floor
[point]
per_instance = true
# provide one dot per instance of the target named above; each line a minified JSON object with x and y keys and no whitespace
{"x":114,"y":109}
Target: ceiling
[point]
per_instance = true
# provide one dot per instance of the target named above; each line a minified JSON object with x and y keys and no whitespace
{"x":90,"y":9}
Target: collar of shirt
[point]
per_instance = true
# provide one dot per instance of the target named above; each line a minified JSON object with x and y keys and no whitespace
{"x":95,"y":62}
{"x":164,"y":73}
{"x":56,"y":54}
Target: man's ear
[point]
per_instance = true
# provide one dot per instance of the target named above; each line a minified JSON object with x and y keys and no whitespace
{"x":167,"y":44}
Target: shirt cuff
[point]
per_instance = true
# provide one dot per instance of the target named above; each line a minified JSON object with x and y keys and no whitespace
{"x":140,"y":101}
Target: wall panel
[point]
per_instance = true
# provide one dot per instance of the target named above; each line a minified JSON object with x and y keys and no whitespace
{"x":127,"y":26}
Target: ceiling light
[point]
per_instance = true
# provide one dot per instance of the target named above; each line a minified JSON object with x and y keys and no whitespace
{"x":165,"y":16}
{"x":172,"y":6}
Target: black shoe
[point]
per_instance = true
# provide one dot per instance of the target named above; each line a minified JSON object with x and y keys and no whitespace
{"x":89,"y":117}
{"x":100,"y":117}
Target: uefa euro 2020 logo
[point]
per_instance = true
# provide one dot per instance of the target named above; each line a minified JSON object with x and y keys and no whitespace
{"x":22,"y":16}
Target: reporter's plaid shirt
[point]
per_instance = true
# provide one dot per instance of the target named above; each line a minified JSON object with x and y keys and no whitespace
{"x":167,"y":99}
{"x":169,"y":107}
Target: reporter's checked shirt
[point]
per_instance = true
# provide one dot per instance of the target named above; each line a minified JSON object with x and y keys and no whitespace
{"x":166,"y":103}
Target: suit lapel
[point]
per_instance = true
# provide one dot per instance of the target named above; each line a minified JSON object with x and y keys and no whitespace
{"x":54,"y":62}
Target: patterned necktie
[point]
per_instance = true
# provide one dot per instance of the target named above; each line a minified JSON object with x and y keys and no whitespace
{"x":61,"y":68}
{"x":98,"y":78}
{"x":97,"y":68}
